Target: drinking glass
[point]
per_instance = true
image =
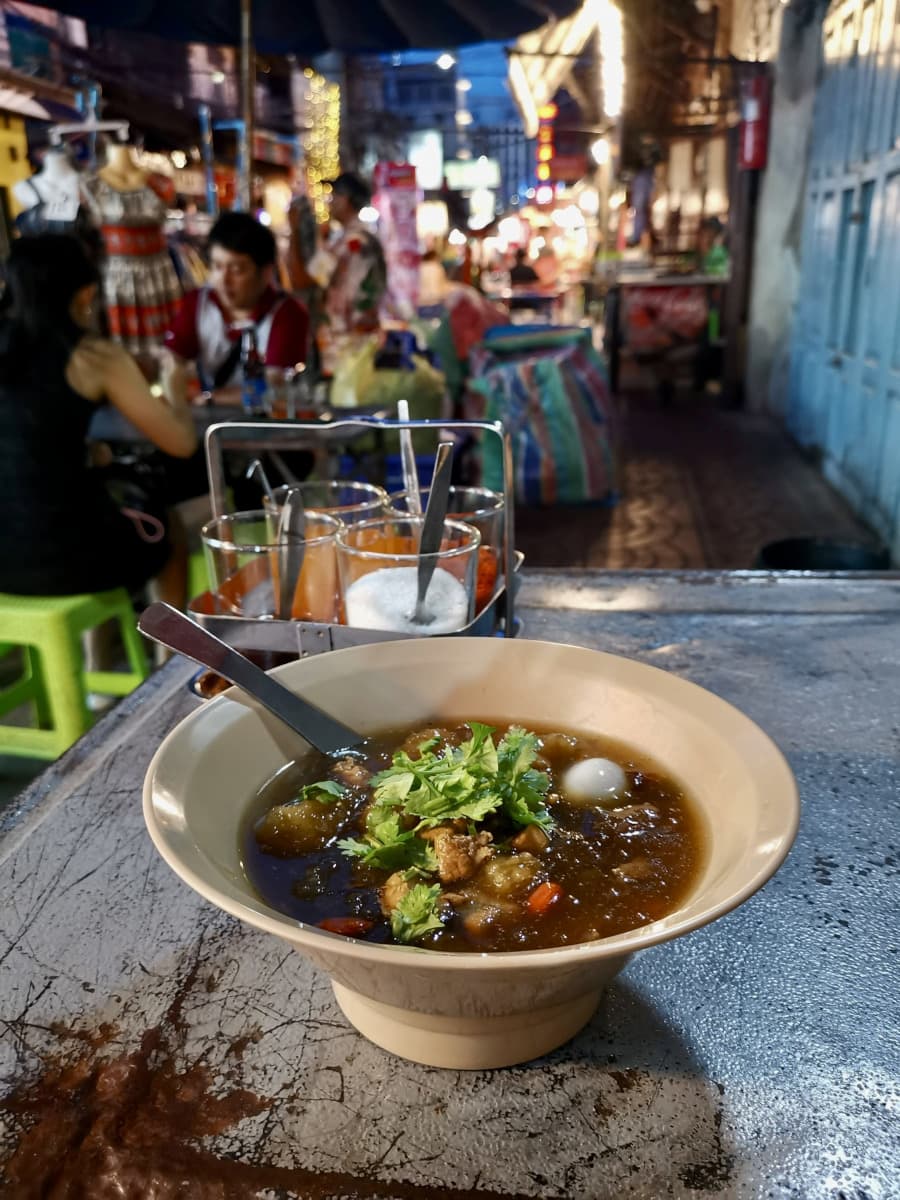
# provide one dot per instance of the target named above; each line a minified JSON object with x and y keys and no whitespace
{"x":479,"y":507}
{"x":244,"y":557}
{"x":346,"y":499}
{"x":378,"y":572}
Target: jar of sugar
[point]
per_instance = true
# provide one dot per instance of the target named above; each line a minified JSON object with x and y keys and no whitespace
{"x":378,"y":565}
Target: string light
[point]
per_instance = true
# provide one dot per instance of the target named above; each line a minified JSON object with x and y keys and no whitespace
{"x":321,"y":102}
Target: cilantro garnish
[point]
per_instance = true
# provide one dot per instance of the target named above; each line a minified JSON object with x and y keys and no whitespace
{"x":470,"y":781}
{"x":388,"y":847}
{"x":523,"y":788}
{"x":459,"y":783}
{"x":417,"y":913}
{"x":325,"y":791}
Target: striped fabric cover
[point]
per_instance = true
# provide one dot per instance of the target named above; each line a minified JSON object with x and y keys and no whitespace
{"x":551,"y":393}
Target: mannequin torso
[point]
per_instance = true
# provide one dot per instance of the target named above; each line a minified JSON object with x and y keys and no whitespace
{"x":122,"y":171}
{"x":56,"y":187}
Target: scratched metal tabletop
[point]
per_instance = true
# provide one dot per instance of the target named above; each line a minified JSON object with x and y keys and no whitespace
{"x":154,"y":1047}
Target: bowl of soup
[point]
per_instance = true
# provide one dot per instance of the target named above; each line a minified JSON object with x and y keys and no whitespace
{"x":518,"y":819}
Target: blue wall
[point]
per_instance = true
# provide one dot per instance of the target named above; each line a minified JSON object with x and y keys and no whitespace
{"x":844,"y":393}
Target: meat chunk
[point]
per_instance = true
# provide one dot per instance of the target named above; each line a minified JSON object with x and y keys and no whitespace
{"x":459,"y":855}
{"x":635,"y":870}
{"x":444,"y":737}
{"x":532,"y":838}
{"x":351,"y":773}
{"x":392,"y":892}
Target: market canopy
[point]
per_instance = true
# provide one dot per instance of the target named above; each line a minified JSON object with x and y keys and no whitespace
{"x":310,"y":27}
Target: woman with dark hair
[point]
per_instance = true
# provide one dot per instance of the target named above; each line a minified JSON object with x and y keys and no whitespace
{"x":60,"y":531}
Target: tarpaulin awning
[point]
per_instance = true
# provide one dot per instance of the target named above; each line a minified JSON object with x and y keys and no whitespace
{"x":13,"y":101}
{"x":317,"y":26}
{"x":37,"y":98}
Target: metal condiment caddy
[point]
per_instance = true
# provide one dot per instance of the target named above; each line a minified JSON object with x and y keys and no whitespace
{"x":275,"y":636}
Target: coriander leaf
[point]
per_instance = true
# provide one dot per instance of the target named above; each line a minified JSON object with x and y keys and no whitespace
{"x":479,"y":751}
{"x":417,"y":913}
{"x":527,"y":810}
{"x":435,"y":808}
{"x":385,"y":845}
{"x":516,"y":752}
{"x":389,"y":848}
{"x":523,"y":788}
{"x":392,"y":785}
{"x":440,"y":788}
{"x":324,"y":791}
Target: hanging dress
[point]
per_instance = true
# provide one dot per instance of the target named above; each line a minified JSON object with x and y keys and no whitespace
{"x":140,"y":287}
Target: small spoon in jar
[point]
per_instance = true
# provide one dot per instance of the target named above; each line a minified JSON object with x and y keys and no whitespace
{"x":433,"y":528}
{"x":291,"y":530}
{"x":169,"y":627}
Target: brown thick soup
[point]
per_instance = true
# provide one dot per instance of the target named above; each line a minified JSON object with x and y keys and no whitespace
{"x":541,"y":869}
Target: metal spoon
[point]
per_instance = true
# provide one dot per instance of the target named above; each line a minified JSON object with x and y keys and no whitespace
{"x":169,"y":627}
{"x":256,"y":468}
{"x":292,"y":547}
{"x":433,"y":528}
{"x":408,"y":462}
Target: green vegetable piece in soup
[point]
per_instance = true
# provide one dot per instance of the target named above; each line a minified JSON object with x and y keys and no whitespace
{"x":389,"y":848}
{"x":325,"y":791}
{"x":417,"y":913}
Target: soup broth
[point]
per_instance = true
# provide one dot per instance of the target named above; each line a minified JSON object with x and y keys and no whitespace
{"x":394,"y":849}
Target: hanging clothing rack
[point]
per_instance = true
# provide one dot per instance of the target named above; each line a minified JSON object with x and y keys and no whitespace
{"x":58,"y":132}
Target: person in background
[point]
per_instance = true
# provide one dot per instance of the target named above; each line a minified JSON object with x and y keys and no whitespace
{"x":433,"y":282}
{"x":61,"y":533}
{"x":240,"y":292}
{"x":547,"y":266}
{"x":352,"y":271}
{"x":712,"y":259}
{"x":522,"y":271}
{"x":712,"y":250}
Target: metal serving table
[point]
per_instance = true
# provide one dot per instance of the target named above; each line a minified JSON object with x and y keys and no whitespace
{"x":755,"y":1058}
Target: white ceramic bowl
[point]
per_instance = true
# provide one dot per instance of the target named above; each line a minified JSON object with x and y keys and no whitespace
{"x":475,"y":1010}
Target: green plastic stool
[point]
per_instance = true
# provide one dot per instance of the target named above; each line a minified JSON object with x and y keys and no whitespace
{"x":49,"y":629}
{"x":198,"y":576}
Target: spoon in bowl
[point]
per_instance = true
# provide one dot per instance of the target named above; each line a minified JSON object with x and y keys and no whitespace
{"x":169,"y":627}
{"x":433,"y":528}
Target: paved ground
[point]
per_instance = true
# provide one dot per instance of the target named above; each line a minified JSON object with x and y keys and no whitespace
{"x":701,"y":487}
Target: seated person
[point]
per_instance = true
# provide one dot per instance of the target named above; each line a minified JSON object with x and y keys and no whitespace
{"x":207,"y":329}
{"x":61,"y":533}
{"x":522,"y":272}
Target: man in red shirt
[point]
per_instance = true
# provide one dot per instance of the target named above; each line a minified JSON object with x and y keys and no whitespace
{"x":207,"y":328}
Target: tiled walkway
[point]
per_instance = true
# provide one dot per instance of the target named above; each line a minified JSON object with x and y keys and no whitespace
{"x":701,"y":487}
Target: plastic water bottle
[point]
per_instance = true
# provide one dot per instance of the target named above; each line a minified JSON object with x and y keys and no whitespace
{"x":253,"y":375}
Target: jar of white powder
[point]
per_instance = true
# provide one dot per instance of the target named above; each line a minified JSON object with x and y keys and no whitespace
{"x":378,"y":570}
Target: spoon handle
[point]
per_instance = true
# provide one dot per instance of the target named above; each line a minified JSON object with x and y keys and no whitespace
{"x":172,"y":628}
{"x":291,"y":530}
{"x":433,"y":524}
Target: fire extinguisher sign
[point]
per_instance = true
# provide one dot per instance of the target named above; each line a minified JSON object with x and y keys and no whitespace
{"x":753,"y":141}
